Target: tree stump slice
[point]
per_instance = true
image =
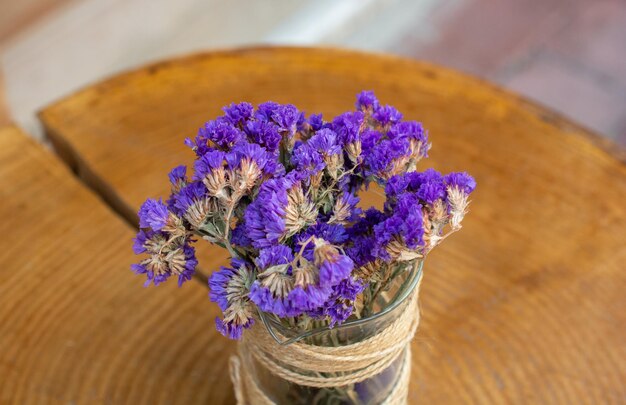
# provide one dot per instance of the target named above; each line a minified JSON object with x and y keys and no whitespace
{"x":76,"y":327}
{"x":524,"y":305}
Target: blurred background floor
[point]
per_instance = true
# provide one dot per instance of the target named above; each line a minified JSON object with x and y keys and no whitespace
{"x":569,"y":55}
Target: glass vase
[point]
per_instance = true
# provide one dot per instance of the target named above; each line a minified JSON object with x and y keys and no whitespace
{"x":265,"y":387}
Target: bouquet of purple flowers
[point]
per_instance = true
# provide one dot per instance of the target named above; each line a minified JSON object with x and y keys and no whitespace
{"x":280,"y":191}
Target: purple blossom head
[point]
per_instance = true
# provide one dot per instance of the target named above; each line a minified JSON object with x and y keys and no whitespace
{"x":286,"y":117}
{"x":307,"y":159}
{"x":316,"y":122}
{"x":192,"y":193}
{"x":265,"y":216}
{"x":251,"y":152}
{"x":333,"y":266}
{"x":387,"y":115}
{"x":387,"y":157}
{"x":190,"y":263}
{"x":264,"y":133}
{"x":265,"y":111}
{"x":238,"y":113}
{"x":239,"y":236}
{"x":178,"y":177}
{"x":274,"y":255}
{"x":428,"y":185}
{"x":334,"y":234}
{"x":213,"y":159}
{"x":228,"y":288}
{"x":140,"y":240}
{"x":167,"y":257}
{"x":221,"y":132}
{"x":366,"y":101}
{"x":404,"y":225}
{"x":396,"y":185}
{"x":325,"y":142}
{"x":153,"y":214}
{"x":409,"y":129}
{"x":462,"y":180}
{"x":340,"y":304}
{"x":348,"y":126}
{"x":345,"y":209}
{"x":369,"y":139}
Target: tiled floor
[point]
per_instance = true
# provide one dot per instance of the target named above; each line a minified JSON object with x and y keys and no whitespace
{"x":567,"y":54}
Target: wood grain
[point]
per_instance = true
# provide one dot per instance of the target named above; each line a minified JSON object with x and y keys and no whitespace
{"x":525,"y":305}
{"x":76,"y":326}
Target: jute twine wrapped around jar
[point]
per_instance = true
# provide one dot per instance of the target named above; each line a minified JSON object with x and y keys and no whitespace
{"x":303,"y":364}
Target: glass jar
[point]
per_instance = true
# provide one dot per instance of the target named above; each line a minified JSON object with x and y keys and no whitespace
{"x":388,"y":306}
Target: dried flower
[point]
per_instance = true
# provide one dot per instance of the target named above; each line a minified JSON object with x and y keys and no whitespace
{"x":280,"y":192}
{"x":167,"y":256}
{"x":229,"y":288}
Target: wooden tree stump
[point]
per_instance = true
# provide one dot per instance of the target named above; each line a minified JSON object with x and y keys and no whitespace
{"x":525,"y":305}
{"x":76,"y":327}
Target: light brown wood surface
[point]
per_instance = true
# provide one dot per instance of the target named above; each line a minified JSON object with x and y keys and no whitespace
{"x":76,"y":326}
{"x":524,"y":305}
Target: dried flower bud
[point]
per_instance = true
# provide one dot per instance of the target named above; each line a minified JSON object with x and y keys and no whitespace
{"x":458,"y":206}
{"x":299,"y":212}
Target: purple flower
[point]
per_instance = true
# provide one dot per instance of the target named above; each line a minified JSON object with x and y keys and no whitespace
{"x":275,"y":255}
{"x":228,"y":289}
{"x":396,"y":185}
{"x":325,"y":142}
{"x":192,"y":194}
{"x":309,"y":297}
{"x":306,"y":159}
{"x":387,"y":115}
{"x":221,"y":132}
{"x":153,"y":214}
{"x":280,"y":210}
{"x":431,"y":186}
{"x":334,"y":234}
{"x":266,"y":162}
{"x":238,"y":113}
{"x":208,"y":163}
{"x":286,"y":117}
{"x":408,"y":129}
{"x":231,"y":330}
{"x":366,"y":100}
{"x":345,"y":209}
{"x":167,"y":257}
{"x":348,"y":126}
{"x":239,"y":236}
{"x":265,"y":216}
{"x":178,"y":176}
{"x":265,"y":111}
{"x":276,"y":301}
{"x":369,"y":139}
{"x":194,"y":204}
{"x":404,"y":225}
{"x":333,"y":266}
{"x":462,"y":180}
{"x":189,"y":268}
{"x":428,"y":185}
{"x":264,"y":133}
{"x":387,"y":157}
{"x":317,"y":122}
{"x":340,"y":304}
{"x":362,"y":250}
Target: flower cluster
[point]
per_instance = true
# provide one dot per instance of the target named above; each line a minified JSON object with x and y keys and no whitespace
{"x":280,"y":192}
